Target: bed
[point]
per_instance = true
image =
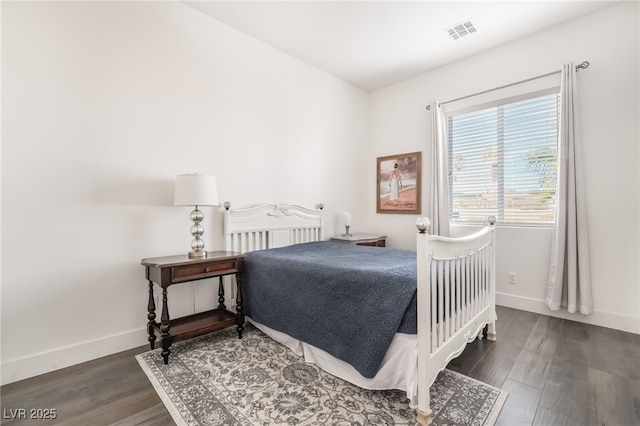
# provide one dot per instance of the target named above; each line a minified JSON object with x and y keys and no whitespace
{"x":381,"y":318}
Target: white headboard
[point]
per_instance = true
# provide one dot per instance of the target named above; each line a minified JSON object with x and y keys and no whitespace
{"x":271,"y":225}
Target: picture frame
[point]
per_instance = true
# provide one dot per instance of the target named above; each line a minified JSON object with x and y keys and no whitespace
{"x":398,"y":183}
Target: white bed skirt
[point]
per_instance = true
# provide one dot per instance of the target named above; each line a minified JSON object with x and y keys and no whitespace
{"x":399,"y":368}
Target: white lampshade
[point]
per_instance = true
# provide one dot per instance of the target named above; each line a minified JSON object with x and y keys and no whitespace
{"x":195,"y":190}
{"x":346,"y":218}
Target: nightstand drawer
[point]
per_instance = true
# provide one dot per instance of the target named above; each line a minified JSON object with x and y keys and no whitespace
{"x":377,"y":243}
{"x":207,"y":270}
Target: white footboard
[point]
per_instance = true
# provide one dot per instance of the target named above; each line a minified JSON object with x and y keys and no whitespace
{"x":456,"y":299}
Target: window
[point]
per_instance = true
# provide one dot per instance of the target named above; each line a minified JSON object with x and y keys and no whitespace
{"x":503,"y":162}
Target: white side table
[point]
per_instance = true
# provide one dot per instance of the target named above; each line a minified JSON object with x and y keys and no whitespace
{"x":374,"y":240}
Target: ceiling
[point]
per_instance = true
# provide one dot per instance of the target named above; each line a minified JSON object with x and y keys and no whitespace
{"x":372,"y":44}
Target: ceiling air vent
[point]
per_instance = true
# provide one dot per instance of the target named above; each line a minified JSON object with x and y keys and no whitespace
{"x":462,"y":29}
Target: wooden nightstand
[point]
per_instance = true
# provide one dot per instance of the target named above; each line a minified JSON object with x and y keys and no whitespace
{"x":171,"y":270}
{"x":374,"y":240}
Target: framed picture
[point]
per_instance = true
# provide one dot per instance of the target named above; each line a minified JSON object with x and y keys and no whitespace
{"x":398,"y":183}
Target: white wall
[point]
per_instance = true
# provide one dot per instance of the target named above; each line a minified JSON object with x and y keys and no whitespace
{"x":609,"y":93}
{"x":103,"y":104}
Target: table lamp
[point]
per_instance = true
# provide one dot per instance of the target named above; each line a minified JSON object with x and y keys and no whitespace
{"x":196,"y":190}
{"x":346,"y":218}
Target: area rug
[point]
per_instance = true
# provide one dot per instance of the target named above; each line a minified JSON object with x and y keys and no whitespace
{"x":218,"y":379}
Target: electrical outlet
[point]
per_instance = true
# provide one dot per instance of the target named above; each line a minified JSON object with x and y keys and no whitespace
{"x":511,"y":276}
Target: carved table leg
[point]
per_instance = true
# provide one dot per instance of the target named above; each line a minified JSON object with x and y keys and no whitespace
{"x":221,"y":295}
{"x":239,"y":312}
{"x":151,"y":316}
{"x":165,"y":327}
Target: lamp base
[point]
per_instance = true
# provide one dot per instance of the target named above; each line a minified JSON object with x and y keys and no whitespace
{"x":197,"y":245}
{"x":197,"y":254}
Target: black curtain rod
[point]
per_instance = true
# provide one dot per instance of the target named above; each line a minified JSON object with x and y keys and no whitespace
{"x":583,"y":66}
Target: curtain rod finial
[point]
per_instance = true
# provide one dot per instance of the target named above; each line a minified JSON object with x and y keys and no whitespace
{"x":583,"y":66}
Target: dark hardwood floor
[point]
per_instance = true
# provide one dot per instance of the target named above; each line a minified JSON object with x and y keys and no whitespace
{"x":557,"y":372}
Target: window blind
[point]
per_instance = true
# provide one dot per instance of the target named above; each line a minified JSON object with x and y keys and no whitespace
{"x":503,"y":162}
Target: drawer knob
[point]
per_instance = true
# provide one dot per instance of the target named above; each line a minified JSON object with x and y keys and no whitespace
{"x":207,"y":269}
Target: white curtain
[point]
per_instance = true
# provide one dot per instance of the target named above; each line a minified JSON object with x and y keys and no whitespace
{"x":438,"y":175}
{"x":569,"y":276}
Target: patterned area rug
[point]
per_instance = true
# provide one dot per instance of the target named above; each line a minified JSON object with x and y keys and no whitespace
{"x":218,"y":379}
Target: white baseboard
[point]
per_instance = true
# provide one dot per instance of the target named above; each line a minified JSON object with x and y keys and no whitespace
{"x":600,"y":318}
{"x":55,"y":359}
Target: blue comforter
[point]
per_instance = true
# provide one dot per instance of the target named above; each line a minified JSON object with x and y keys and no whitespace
{"x":347,"y":300}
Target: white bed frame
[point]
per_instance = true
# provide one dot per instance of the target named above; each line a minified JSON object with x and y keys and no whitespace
{"x":456,"y":280}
